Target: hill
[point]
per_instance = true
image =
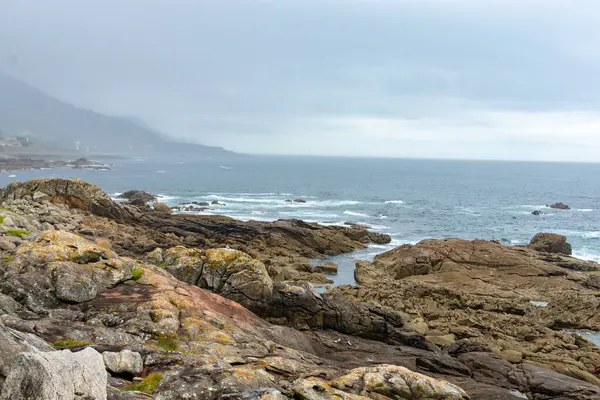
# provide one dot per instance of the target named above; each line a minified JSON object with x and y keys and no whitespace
{"x":27,"y":110}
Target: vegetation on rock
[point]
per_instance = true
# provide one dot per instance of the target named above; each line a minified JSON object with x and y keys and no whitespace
{"x":147,"y":385}
{"x":17,"y":232}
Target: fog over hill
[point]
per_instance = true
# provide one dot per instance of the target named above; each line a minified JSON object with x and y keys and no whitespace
{"x":27,"y":110}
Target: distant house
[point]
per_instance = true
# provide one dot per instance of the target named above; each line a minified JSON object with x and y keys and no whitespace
{"x":7,"y":142}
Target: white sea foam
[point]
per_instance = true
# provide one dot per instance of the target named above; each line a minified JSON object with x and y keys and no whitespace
{"x":581,"y":234}
{"x":377,"y":227}
{"x":584,"y":209}
{"x":394,"y":202}
{"x":518,"y":394}
{"x":166,"y":198}
{"x":586,"y":254}
{"x":160,"y":171}
{"x":237,"y":194}
{"x":308,"y":214}
{"x":243,"y":199}
{"x":401,"y":242}
{"x":356,"y":214}
{"x":539,"y":303}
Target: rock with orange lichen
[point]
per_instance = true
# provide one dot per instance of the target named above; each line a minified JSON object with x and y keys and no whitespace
{"x":380,"y":382}
{"x":231,"y":273}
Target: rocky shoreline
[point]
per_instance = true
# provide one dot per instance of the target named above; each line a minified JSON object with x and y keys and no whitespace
{"x":106,"y":300}
{"x":17,"y":164}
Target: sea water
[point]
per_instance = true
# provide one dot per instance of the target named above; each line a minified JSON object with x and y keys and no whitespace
{"x":408,"y":199}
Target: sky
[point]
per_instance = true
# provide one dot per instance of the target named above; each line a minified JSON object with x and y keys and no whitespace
{"x":477,"y":79}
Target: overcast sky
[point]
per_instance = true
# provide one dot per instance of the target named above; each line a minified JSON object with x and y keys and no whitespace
{"x":502,"y":79}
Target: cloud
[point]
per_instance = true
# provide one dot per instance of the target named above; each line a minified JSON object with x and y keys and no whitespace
{"x":433,"y":78}
{"x":480,"y":135}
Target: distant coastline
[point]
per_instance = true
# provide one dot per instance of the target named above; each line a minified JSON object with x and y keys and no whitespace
{"x":20,"y":164}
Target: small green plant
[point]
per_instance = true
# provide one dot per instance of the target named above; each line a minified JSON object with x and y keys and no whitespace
{"x":1,"y":219}
{"x":17,"y":232}
{"x":70,"y":343}
{"x":168,"y":344}
{"x":147,"y":385}
{"x":7,"y":258}
{"x":137,"y":273}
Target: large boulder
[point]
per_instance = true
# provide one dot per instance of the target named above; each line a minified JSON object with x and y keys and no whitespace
{"x":559,"y":206}
{"x":126,"y":362}
{"x":13,"y":343}
{"x":229,"y":272}
{"x":381,"y":381}
{"x":162,"y":208}
{"x":137,"y":195}
{"x":74,"y":193}
{"x":59,"y":375}
{"x":59,"y":266}
{"x":551,"y":243}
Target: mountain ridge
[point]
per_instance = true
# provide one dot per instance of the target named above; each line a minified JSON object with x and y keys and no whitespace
{"x":25,"y":109}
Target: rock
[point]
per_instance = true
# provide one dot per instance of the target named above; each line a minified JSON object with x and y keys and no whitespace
{"x":592,"y":282}
{"x":374,"y":382}
{"x":327,"y":268}
{"x":557,"y":386}
{"x":217,"y":203}
{"x":39,"y":196}
{"x":162,"y":208}
{"x":466,"y":346}
{"x":537,"y":212}
{"x":441,"y":340}
{"x":559,"y":206}
{"x":183,"y":263}
{"x":299,"y":200}
{"x":418,"y":325}
{"x":74,"y":285}
{"x":126,"y":363}
{"x":511,"y":356}
{"x":74,"y":193}
{"x":8,"y":221}
{"x":81,"y":162}
{"x":234,"y":273}
{"x":155,"y":256}
{"x":6,"y":245}
{"x":140,"y":195}
{"x":59,"y":375}
{"x":551,"y":243}
{"x":13,"y":343}
{"x":138,"y":203}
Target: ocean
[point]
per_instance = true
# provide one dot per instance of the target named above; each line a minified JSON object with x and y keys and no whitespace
{"x":408,"y":199}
